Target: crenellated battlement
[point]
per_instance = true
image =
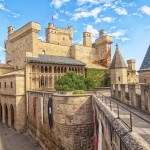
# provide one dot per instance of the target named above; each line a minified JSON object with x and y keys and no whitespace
{"x":23,"y":31}
{"x":60,"y":36}
{"x":135,"y":95}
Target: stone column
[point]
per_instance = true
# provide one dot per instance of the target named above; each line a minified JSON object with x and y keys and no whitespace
{"x":9,"y":116}
{"x":3,"y":114}
{"x":52,"y":76}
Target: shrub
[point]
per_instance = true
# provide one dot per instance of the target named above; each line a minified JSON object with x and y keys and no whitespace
{"x":72,"y":81}
{"x":79,"y":92}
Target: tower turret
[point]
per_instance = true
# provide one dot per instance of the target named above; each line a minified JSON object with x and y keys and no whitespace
{"x":10,"y":30}
{"x":59,"y":36}
{"x":103,"y":46}
{"x":118,"y":68}
{"x":87,"y":40}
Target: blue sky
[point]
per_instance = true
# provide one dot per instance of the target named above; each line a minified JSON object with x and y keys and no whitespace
{"x":128,"y":21}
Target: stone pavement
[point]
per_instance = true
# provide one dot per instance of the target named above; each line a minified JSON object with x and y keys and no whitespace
{"x":140,"y":127}
{"x":16,"y":140}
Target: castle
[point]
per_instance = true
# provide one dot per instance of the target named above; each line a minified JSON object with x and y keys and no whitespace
{"x":32,"y":64}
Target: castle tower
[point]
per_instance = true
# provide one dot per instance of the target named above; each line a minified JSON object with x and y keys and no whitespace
{"x":131,"y":67}
{"x":118,"y":68}
{"x":59,"y":36}
{"x":87,"y":40}
{"x":10,"y":30}
{"x":103,"y":46}
{"x":144,"y":72}
{"x":131,"y":64}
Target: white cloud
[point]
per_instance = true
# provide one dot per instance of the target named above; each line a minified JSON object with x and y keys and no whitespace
{"x":15,"y":15}
{"x":105,"y":19}
{"x":42,"y":38}
{"x":55,"y":16}
{"x":93,"y":31}
{"x":68,"y":13}
{"x":123,"y":39}
{"x":118,"y":33}
{"x":75,"y":31}
{"x":94,"y":2}
{"x":85,"y":14}
{"x":121,"y":11}
{"x":137,"y":14}
{"x":82,"y":2}
{"x":1,"y":48}
{"x":148,"y":26}
{"x":145,"y":9}
{"x":58,"y":3}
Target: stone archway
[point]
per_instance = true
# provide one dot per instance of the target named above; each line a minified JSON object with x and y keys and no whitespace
{"x":6,"y":114}
{"x":1,"y":113}
{"x":12,"y":116}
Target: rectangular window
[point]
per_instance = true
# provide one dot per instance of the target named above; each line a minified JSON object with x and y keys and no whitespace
{"x":5,"y":85}
{"x":119,"y":78}
{"x":0,"y":85}
{"x":11,"y":84}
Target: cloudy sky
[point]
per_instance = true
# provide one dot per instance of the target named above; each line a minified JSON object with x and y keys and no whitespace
{"x":128,"y":21}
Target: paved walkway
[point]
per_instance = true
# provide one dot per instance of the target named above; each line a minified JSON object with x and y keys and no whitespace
{"x":15,"y":140}
{"x":140,"y":126}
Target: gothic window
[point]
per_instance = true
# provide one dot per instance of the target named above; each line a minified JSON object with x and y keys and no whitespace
{"x":46,"y":69}
{"x":50,"y":69}
{"x":42,"y":69}
{"x":42,"y":81}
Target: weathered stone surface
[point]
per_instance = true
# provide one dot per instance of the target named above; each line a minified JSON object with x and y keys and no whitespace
{"x":73,"y":121}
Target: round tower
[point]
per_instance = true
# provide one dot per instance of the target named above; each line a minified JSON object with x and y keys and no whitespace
{"x":118,"y":68}
{"x":87,"y":39}
{"x":10,"y":30}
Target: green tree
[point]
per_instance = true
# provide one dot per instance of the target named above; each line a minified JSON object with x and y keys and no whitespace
{"x":72,"y":81}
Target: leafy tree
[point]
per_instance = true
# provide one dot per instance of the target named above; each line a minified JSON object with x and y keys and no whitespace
{"x":72,"y":81}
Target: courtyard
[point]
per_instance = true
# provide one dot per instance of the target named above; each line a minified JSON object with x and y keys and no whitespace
{"x":16,"y":140}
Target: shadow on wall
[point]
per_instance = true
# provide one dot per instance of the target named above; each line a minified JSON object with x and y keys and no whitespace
{"x":72,"y":121}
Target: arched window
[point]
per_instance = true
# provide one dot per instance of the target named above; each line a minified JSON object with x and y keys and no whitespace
{"x":43,"y":52}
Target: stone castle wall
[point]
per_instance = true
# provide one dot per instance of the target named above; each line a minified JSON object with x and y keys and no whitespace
{"x":12,"y":100}
{"x":25,"y":42}
{"x":135,"y":95}
{"x":72,"y":121}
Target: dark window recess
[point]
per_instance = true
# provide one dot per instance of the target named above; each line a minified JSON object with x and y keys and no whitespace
{"x":0,"y":85}
{"x":119,"y":78}
{"x":5,"y":85}
{"x":11,"y":84}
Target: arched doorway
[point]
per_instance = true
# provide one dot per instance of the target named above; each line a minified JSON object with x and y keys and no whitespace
{"x":12,"y":115}
{"x":6,"y":114}
{"x":0,"y":113}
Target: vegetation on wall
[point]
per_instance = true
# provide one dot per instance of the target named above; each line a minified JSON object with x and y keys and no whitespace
{"x":100,"y":76}
{"x":72,"y":81}
{"x":79,"y":92}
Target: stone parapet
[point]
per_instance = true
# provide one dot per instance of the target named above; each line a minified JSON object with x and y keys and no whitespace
{"x":135,"y":95}
{"x":72,"y":121}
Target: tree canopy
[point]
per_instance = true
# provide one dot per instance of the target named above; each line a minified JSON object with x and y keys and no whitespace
{"x":72,"y":81}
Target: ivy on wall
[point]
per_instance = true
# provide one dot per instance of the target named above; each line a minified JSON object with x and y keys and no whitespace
{"x":100,"y":76}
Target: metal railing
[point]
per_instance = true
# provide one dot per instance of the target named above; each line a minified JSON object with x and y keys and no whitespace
{"x":110,"y":103}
